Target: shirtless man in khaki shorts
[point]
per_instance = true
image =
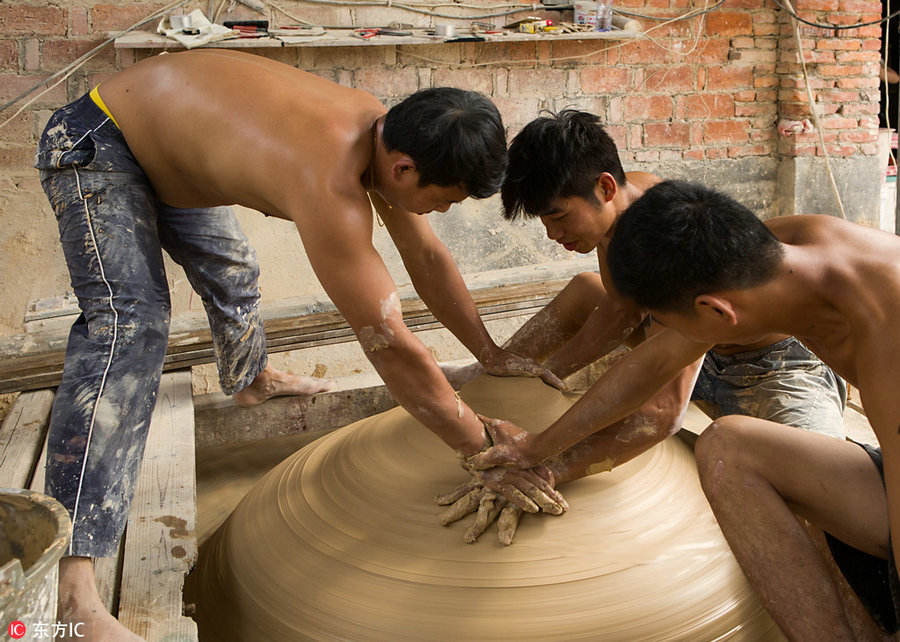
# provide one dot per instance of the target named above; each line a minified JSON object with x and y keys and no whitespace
{"x":150,"y":161}
{"x":710,"y":272}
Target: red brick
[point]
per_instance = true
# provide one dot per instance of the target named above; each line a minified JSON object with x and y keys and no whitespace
{"x":108,"y":17}
{"x":749,"y":150}
{"x":765,"y":29}
{"x":731,"y":78}
{"x":384,"y":83}
{"x":9,"y":55}
{"x":755,"y":109}
{"x":858,"y":137}
{"x":645,"y":156}
{"x":56,"y":54}
{"x":860,"y":6}
{"x":540,"y":82}
{"x":709,"y":106}
{"x":817,"y":5}
{"x":642,"y":107}
{"x":673,"y":78}
{"x":728,"y":23}
{"x":479,"y":79}
{"x":859,"y":83}
{"x":16,"y":157}
{"x":693,"y":154}
{"x":713,"y":51}
{"x":666,"y":135}
{"x":858,"y":56}
{"x":641,"y":51}
{"x":744,"y":42}
{"x":839,"y":123}
{"x":605,"y":79}
{"x":725,"y":131}
{"x":839,"y":44}
{"x":839,"y":97}
{"x":78,"y":21}
{"x":25,"y":19}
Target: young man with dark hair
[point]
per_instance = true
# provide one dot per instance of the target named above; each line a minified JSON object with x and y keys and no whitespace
{"x":710,"y":272}
{"x":150,"y":161}
{"x":565,"y":170}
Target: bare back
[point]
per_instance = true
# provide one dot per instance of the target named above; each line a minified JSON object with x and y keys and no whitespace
{"x":854,"y":273}
{"x":217,"y":127}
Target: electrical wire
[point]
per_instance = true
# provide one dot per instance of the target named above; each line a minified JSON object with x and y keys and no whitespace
{"x":818,"y":125}
{"x":793,"y":13}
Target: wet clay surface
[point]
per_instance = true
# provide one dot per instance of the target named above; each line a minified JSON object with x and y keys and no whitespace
{"x":342,"y":540}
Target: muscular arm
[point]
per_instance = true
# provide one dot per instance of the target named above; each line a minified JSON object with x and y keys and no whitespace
{"x":436,"y":278}
{"x":606,"y":328}
{"x":623,"y":389}
{"x":624,"y":440}
{"x":338,"y":242}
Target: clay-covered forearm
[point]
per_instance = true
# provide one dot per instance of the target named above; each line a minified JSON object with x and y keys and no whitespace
{"x":441,"y":287}
{"x":614,"y":445}
{"x":604,"y":331}
{"x":623,"y":389}
{"x":417,"y":383}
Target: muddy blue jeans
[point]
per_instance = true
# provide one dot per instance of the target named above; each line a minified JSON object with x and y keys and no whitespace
{"x":784,"y":382}
{"x":113,"y":230}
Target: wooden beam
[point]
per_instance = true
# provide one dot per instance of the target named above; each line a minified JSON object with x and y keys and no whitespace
{"x":218,"y":420}
{"x":34,"y":360}
{"x":161,"y":537}
{"x":22,"y":439}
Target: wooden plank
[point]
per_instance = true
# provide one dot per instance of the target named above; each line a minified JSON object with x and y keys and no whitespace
{"x":35,"y":360}
{"x":22,"y":439}
{"x":219,"y":421}
{"x":160,"y":540}
{"x":342,"y":38}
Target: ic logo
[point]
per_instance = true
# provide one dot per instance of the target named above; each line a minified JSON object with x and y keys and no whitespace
{"x":16,"y":630}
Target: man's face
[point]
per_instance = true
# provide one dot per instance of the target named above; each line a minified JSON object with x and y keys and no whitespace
{"x":429,"y":198}
{"x":578,"y":224}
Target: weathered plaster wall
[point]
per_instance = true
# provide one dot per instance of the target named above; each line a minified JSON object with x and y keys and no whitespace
{"x":696,"y":99}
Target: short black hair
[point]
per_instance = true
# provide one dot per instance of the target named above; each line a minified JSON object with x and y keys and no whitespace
{"x":557,"y":156}
{"x":680,"y":240}
{"x":455,"y":137}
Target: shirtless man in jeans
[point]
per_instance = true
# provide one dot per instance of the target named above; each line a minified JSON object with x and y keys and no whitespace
{"x":150,"y":161}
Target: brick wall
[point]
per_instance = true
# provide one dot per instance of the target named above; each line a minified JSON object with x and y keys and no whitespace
{"x":697,"y":99}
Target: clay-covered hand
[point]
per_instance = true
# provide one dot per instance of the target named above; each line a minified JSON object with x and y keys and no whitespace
{"x":509,"y":447}
{"x":503,"y":363}
{"x":489,"y":505}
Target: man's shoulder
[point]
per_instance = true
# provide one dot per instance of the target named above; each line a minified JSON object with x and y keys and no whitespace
{"x":642,"y":180}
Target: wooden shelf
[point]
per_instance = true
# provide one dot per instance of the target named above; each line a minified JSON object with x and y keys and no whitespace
{"x":342,"y":38}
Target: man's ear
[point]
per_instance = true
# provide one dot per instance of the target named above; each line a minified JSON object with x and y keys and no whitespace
{"x":719,"y":307}
{"x":606,"y":187}
{"x":402,"y":166}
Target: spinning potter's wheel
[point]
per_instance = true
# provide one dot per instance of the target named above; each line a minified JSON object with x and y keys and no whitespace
{"x":341,"y":541}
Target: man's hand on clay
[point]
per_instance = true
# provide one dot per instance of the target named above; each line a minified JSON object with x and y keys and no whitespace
{"x":515,"y":491}
{"x":509,"y":364}
{"x":509,"y":447}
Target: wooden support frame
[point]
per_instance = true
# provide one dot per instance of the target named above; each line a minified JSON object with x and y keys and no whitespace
{"x":144,"y":585}
{"x":34,"y":360}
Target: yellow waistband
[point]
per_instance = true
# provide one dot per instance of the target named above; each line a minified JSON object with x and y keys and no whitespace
{"x":95,"y":96}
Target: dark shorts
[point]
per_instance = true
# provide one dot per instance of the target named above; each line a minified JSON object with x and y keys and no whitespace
{"x":873,"y":579}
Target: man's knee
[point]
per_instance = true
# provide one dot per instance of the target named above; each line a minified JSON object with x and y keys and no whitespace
{"x":587,"y":284}
{"x":718,"y":449}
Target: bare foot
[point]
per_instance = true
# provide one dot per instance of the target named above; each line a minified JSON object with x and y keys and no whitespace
{"x":273,"y":383}
{"x":458,"y":374}
{"x":79,"y":605}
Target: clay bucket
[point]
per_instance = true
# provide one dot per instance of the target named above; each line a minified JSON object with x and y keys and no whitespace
{"x":34,"y":533}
